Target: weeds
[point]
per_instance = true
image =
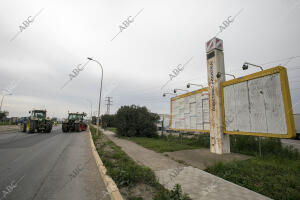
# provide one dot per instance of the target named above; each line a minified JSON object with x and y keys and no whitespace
{"x":126,"y":173}
{"x":175,"y":194}
{"x":275,"y":178}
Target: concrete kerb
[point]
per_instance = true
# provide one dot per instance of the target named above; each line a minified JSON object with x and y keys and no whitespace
{"x":111,"y":186}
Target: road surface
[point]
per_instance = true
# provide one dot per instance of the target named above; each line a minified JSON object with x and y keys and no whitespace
{"x":44,"y":166}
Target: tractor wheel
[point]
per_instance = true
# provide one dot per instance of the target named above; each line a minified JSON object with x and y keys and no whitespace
{"x":24,"y":127}
{"x":77,"y":126}
{"x":84,"y":127}
{"x":65,"y":128}
{"x":48,"y":128}
{"x":80,"y":127}
{"x":31,"y":127}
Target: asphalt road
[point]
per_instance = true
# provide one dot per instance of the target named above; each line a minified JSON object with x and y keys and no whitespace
{"x":49,"y":166}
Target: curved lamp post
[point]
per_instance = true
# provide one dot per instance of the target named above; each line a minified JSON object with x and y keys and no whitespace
{"x":220,"y":73}
{"x":246,"y":66}
{"x":100,"y":93}
{"x":164,"y":94}
{"x":189,"y":85}
{"x":3,"y":98}
{"x":175,"y":90}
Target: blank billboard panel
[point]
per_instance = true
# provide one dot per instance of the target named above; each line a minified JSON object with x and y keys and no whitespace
{"x":258,"y":104}
{"x":190,"y":112}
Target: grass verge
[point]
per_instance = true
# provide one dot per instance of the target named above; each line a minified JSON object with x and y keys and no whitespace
{"x":171,"y":143}
{"x":275,"y":174}
{"x":133,"y":180}
{"x":277,"y":178}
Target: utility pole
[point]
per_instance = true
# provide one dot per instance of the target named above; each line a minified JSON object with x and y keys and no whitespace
{"x":219,"y":142}
{"x":109,"y":103}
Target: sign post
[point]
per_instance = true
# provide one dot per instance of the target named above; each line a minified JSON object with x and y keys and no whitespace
{"x":219,"y":142}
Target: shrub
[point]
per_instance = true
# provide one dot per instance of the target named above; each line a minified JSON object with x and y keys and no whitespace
{"x":108,"y":120}
{"x":136,"y":121}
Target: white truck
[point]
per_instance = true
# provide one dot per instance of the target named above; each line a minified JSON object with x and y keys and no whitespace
{"x":297,"y":125}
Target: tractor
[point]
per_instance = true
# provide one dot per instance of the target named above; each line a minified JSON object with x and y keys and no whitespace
{"x":37,"y":121}
{"x":75,"y":122}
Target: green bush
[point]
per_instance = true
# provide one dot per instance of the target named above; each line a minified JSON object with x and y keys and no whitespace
{"x":108,"y":120}
{"x":136,"y":121}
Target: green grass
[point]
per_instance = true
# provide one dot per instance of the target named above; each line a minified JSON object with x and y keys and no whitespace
{"x":126,"y":173}
{"x":123,"y":170}
{"x":6,"y":123}
{"x":170,"y":144}
{"x":272,"y":177}
{"x":112,"y":129}
{"x":275,"y":174}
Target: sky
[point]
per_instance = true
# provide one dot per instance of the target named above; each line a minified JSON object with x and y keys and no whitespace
{"x":138,"y":43}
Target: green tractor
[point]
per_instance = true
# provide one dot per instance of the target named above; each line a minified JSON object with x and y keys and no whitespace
{"x":75,"y":122}
{"x":37,"y":121}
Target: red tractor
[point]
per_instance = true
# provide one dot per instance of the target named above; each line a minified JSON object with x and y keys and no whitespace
{"x":75,"y":122}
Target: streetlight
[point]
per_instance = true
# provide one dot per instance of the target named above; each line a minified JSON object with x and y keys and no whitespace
{"x":91,"y":107}
{"x":175,"y":90}
{"x":220,"y":73}
{"x":164,"y":94}
{"x":245,"y":66}
{"x":100,"y":92}
{"x":189,"y":85}
{"x":3,"y":98}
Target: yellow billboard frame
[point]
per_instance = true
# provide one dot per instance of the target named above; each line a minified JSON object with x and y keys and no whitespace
{"x":182,"y":96}
{"x":285,"y":90}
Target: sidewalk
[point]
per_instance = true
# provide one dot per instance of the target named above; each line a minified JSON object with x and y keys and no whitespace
{"x":197,"y":183}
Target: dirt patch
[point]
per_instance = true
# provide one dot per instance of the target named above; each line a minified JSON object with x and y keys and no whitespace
{"x":203,"y":158}
{"x":141,"y":190}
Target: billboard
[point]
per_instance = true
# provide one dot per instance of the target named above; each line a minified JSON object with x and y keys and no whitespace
{"x":258,"y":104}
{"x":190,"y":111}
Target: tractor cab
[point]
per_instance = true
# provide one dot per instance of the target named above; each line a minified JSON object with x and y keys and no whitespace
{"x":38,"y":114}
{"x":37,"y":122}
{"x":74,"y":122}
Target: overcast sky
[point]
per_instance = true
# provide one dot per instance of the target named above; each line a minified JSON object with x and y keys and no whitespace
{"x":137,"y":62}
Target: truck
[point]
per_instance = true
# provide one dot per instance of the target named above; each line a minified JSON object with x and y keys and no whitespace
{"x":37,"y":122}
{"x":74,"y":122}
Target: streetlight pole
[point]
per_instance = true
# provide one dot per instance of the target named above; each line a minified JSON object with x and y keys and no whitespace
{"x":100,"y":93}
{"x":2,"y":99}
{"x":91,"y":107}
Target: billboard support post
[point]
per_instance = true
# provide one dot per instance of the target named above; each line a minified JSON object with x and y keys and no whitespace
{"x":219,"y":142}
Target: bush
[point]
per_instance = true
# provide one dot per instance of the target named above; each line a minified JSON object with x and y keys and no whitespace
{"x":136,"y":121}
{"x":108,"y":120}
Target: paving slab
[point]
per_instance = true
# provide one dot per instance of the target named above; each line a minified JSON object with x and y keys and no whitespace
{"x":195,"y":182}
